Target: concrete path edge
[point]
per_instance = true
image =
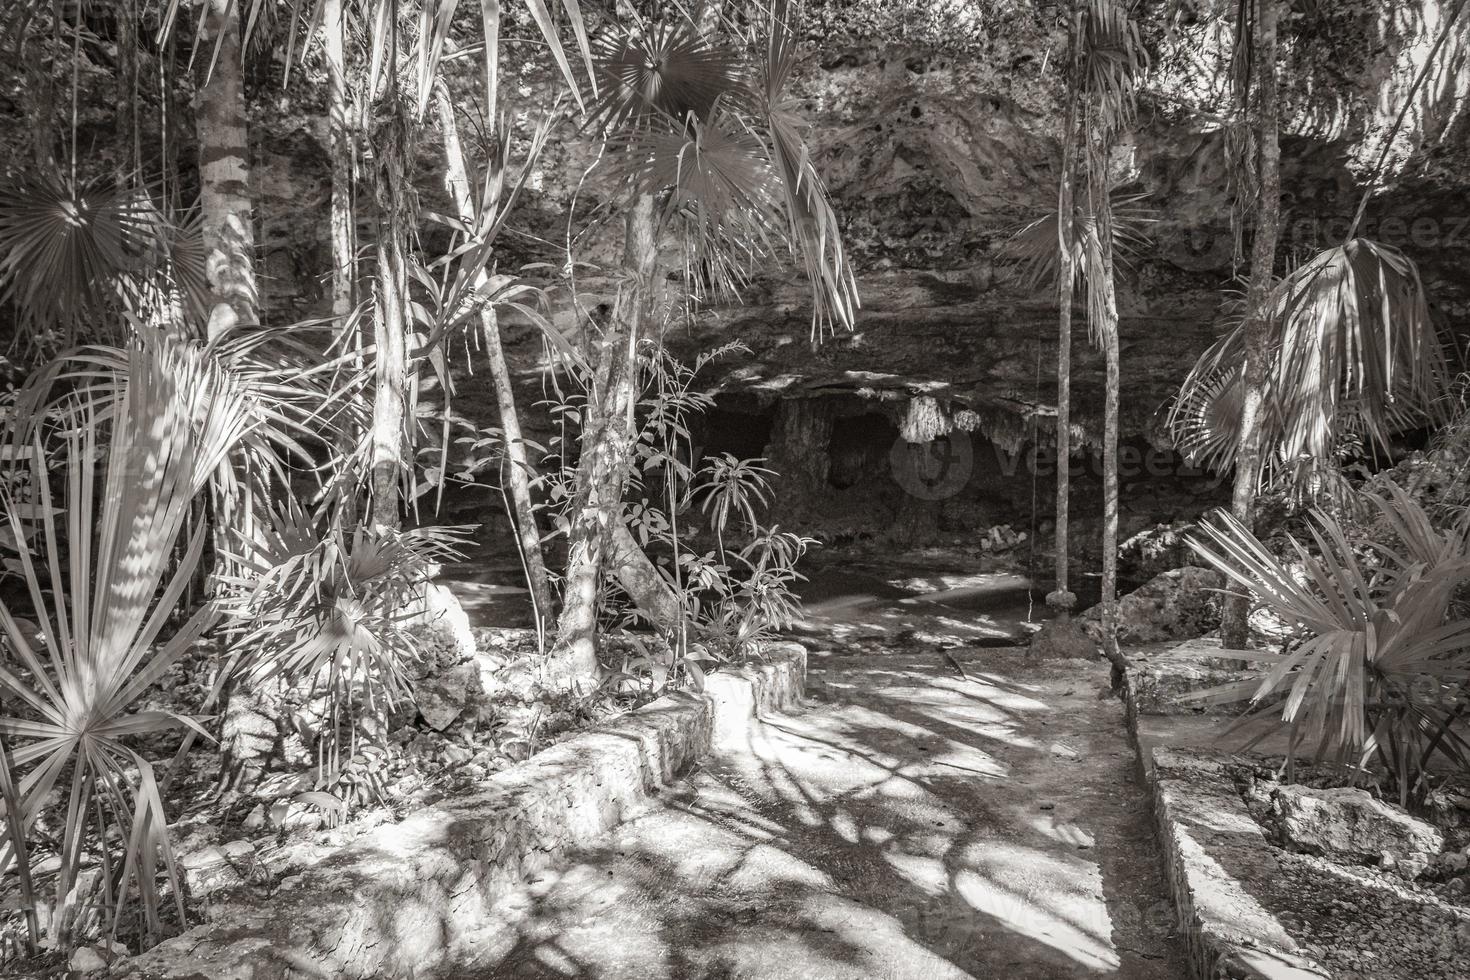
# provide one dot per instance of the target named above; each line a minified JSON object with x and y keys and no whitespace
{"x":394,"y":902}
{"x":1206,"y":833}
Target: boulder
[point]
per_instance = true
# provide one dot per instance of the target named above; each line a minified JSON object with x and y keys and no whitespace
{"x":216,"y":868}
{"x":1162,"y":679}
{"x":1063,"y":641}
{"x":97,"y":958}
{"x":1348,"y":822}
{"x":1176,"y":605}
{"x":442,"y":698}
{"x":1156,"y":550}
{"x":441,"y":629}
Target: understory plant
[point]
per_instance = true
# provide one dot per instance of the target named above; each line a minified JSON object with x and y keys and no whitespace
{"x":327,"y":607}
{"x":737,"y":591}
{"x":105,"y":567}
{"x":1375,"y":669}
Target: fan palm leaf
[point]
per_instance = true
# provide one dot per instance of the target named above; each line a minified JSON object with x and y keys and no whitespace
{"x":814,"y":233}
{"x":686,"y":115}
{"x":104,"y":601}
{"x":666,"y":71}
{"x":314,"y":601}
{"x":1353,"y":348}
{"x":1035,"y":246}
{"x":1114,"y":60}
{"x":65,"y":248}
{"x":1377,"y":661}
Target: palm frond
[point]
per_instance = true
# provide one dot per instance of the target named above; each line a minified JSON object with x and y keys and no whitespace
{"x":1354,"y":350}
{"x":1035,"y":246}
{"x":321,"y":603}
{"x":814,"y":232}
{"x":104,"y":602}
{"x":666,"y":73}
{"x":64,"y":248}
{"x":1369,"y":641}
{"x":1114,"y":60}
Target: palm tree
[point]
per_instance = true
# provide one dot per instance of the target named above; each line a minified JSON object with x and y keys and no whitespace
{"x":397,"y":79}
{"x":1345,"y":342}
{"x":1114,"y":62}
{"x":339,"y":134}
{"x":519,"y":472}
{"x":706,"y":142}
{"x":1255,"y":47}
{"x":1061,"y":598}
{"x":224,"y":172}
{"x":103,"y":603}
{"x":1107,"y":63}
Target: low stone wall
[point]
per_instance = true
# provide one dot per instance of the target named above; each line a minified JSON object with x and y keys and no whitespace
{"x":395,"y":901}
{"x":1162,"y":679}
{"x":1213,"y":848}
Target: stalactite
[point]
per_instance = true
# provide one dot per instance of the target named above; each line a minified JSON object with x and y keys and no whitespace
{"x":924,"y":421}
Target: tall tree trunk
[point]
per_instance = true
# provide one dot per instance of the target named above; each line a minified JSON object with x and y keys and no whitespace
{"x":520,"y":472}
{"x":339,"y":136}
{"x":606,"y":448}
{"x":1234,"y":628}
{"x":390,"y":396}
{"x":1061,"y":598}
{"x":1107,"y":331}
{"x":393,"y":138}
{"x":224,"y":173}
{"x":1111,"y":357}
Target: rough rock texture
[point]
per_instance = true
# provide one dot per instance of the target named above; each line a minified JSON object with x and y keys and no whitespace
{"x":1176,"y":605}
{"x":1213,"y":850}
{"x":395,"y":900}
{"x":1156,"y":550}
{"x":443,"y":697}
{"x":1348,"y":822}
{"x":447,"y":677}
{"x":216,"y":867}
{"x":1063,"y":641}
{"x":1158,"y":679}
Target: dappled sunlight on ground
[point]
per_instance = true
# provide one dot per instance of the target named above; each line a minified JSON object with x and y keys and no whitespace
{"x":909,"y":823}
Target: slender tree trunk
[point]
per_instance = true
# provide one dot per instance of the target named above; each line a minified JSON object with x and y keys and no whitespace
{"x":1111,"y":357}
{"x":1234,"y":628}
{"x":393,"y":138}
{"x":520,"y":472}
{"x":224,"y":173}
{"x":605,"y":453}
{"x":1062,"y":599}
{"x":339,"y":136}
{"x":390,"y":398}
{"x":1107,"y":331}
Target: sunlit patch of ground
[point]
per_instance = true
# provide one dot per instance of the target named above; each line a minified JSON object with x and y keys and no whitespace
{"x":911,"y":823}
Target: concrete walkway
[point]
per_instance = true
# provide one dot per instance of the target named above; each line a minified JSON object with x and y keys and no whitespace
{"x":910,"y":823}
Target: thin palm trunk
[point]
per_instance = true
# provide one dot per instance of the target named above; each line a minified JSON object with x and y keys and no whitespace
{"x":224,"y":172}
{"x":1108,"y":333}
{"x":390,"y":397}
{"x":1062,"y":598}
{"x":1111,"y":357}
{"x":520,"y":471}
{"x":605,"y":450}
{"x":1234,"y":628}
{"x":339,"y":135}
